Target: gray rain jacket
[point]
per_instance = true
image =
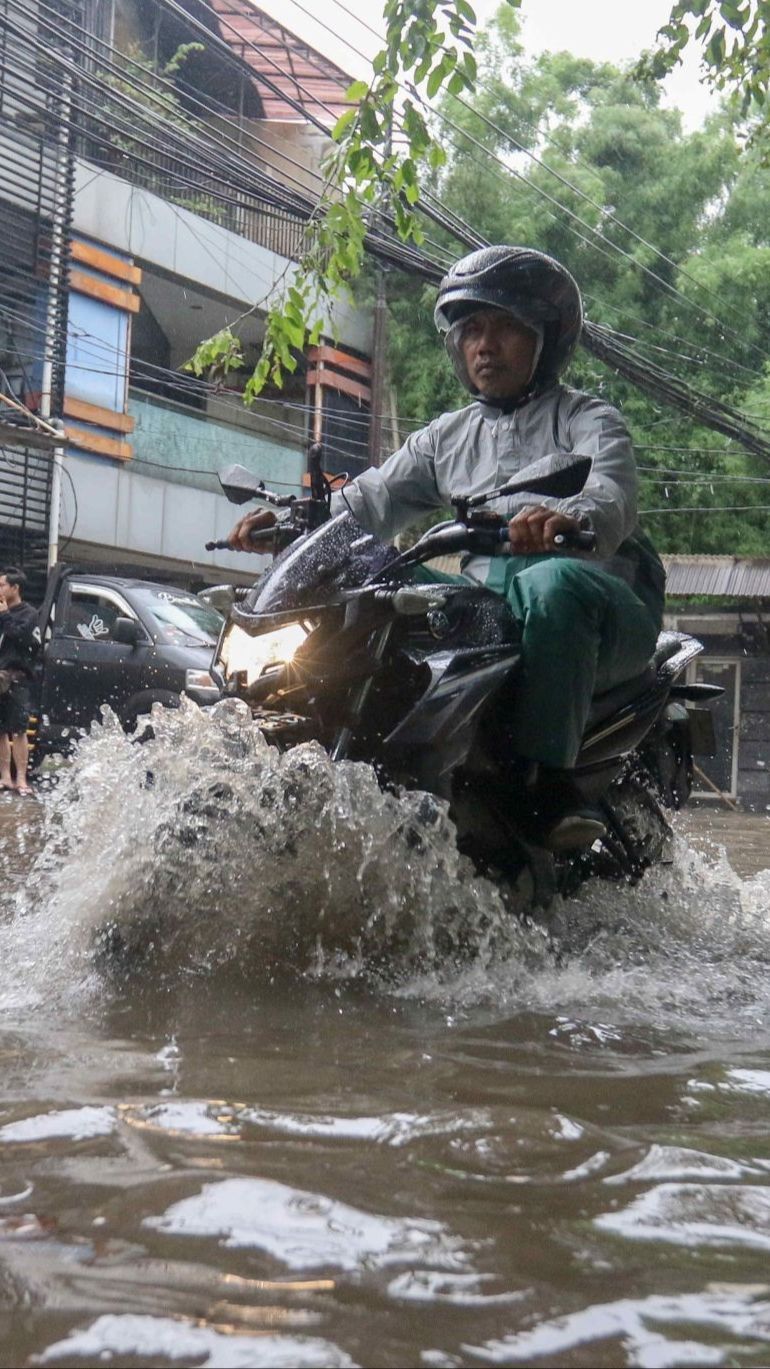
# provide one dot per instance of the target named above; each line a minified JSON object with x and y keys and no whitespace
{"x":480,"y":447}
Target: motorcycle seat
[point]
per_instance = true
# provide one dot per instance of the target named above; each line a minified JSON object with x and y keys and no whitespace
{"x":612,"y":700}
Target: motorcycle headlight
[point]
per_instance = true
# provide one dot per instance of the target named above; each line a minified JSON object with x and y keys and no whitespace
{"x":256,"y":655}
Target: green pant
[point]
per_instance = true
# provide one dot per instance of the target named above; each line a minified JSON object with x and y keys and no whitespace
{"x":582,"y":632}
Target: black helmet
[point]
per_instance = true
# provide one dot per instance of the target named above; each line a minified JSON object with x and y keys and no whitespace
{"x":537,"y":290}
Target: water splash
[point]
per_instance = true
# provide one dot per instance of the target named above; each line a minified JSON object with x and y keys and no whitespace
{"x":205,"y":847}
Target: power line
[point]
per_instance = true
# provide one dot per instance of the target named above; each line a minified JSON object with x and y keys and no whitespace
{"x":614,"y":247}
{"x":563,"y":180}
{"x":385,"y":246}
{"x":709,"y":508}
{"x":188,"y":385}
{"x":600,"y":342}
{"x":675,"y":337}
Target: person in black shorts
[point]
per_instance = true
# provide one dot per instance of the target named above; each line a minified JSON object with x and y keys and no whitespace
{"x":19,"y":644}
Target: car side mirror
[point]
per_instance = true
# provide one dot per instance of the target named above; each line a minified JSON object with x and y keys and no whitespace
{"x":126,"y":631}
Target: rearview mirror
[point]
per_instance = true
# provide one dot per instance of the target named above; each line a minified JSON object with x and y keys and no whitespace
{"x":239,"y":485}
{"x":559,"y":476}
{"x":126,"y":631}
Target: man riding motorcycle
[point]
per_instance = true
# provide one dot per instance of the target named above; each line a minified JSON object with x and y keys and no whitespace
{"x":511,"y":318}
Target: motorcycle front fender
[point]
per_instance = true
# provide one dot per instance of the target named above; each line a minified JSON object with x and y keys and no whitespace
{"x":438,"y":732}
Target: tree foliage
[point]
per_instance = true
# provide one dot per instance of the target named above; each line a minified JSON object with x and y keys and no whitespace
{"x":734,"y":38}
{"x":666,"y":232}
{"x":673,"y":251}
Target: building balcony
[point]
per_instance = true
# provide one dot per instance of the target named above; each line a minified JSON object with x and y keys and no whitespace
{"x":172,"y":443}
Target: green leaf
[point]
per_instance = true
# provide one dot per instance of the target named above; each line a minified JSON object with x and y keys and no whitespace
{"x":436,"y":78}
{"x":733,"y":14}
{"x":344,"y":122}
{"x":370,"y":124}
{"x":470,"y":67}
{"x":715,"y":50}
{"x":357,"y":91}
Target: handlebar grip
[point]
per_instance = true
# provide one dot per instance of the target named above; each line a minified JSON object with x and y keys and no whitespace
{"x":255,"y":537}
{"x":584,"y":539}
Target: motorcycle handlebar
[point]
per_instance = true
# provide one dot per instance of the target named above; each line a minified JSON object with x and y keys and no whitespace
{"x":582,"y":539}
{"x":255,"y":538}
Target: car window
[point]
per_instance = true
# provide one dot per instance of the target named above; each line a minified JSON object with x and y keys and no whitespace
{"x":179,"y":618}
{"x":91,"y":616}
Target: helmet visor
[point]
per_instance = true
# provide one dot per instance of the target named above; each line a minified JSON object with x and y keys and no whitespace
{"x":455,"y":336}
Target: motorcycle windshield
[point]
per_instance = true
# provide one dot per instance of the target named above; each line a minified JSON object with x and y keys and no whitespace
{"x":339,"y":555}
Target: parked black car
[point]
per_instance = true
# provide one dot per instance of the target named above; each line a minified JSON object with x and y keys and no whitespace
{"x":124,"y":642}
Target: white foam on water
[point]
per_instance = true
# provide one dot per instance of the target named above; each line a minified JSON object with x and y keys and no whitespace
{"x":73,"y":1124}
{"x":679,"y":1162}
{"x":164,"y":1338}
{"x":566,"y":1129}
{"x":390,"y":1129}
{"x":646,"y":1329}
{"x":696,"y":1215}
{"x":458,"y":1290}
{"x":306,"y":1230}
{"x":191,"y":1118}
{"x":206,"y":848}
{"x":747,"y":1081}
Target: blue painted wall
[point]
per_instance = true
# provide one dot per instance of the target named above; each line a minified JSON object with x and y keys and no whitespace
{"x":97,"y":352}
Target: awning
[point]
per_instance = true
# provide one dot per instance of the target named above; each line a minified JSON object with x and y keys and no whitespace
{"x":732,"y":577}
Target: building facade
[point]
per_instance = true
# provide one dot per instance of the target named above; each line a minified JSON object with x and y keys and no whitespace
{"x":161,"y":161}
{"x":724,"y":601}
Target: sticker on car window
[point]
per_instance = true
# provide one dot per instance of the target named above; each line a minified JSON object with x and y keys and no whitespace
{"x":176,"y":598}
{"x":95,"y":629}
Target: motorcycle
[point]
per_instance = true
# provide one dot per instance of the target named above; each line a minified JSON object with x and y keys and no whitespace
{"x":338,"y":642}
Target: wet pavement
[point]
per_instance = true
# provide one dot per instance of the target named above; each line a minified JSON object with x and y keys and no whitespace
{"x":744,"y":836}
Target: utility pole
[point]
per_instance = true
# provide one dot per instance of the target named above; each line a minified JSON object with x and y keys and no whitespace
{"x":57,"y":265}
{"x":379,"y":356}
{"x":379,"y":337}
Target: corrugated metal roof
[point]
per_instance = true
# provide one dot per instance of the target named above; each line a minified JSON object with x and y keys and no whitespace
{"x":733,"y":577}
{"x":273,"y":51}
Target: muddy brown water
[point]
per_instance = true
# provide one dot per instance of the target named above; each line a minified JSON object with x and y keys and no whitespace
{"x":233,"y":1133}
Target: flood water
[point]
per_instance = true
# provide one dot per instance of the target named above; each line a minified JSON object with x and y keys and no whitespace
{"x":283,"y":1083}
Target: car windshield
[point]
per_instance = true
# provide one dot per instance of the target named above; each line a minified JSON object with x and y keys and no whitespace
{"x":180,"y":618}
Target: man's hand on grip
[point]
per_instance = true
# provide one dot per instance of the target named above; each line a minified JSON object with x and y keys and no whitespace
{"x":240,"y":537}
